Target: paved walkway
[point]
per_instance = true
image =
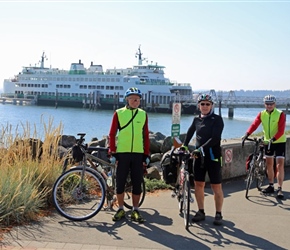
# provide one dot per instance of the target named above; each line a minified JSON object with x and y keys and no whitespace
{"x":262,"y":222}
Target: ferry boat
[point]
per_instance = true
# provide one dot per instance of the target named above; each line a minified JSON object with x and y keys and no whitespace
{"x":96,"y":88}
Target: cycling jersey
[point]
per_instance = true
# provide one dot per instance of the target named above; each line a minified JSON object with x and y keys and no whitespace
{"x":273,"y":125}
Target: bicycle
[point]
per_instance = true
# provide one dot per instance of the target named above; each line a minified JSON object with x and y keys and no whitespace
{"x":182,"y":189}
{"x":79,"y":193}
{"x":256,"y":166}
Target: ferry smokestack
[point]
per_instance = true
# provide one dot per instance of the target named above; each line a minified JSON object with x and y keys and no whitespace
{"x":80,"y":61}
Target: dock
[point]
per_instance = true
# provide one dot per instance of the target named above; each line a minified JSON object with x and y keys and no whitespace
{"x":17,"y":101}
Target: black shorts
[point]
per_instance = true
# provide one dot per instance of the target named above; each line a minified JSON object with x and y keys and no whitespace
{"x":277,"y":149}
{"x":133,"y":163}
{"x":213,"y":168}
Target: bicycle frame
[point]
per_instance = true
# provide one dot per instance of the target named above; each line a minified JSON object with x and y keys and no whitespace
{"x":182,"y":188}
{"x":103,"y":168}
{"x":257,"y":166}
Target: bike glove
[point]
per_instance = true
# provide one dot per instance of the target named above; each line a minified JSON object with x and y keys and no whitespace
{"x":146,"y":159}
{"x":113,"y":159}
{"x":183,"y":148}
{"x":244,"y":137}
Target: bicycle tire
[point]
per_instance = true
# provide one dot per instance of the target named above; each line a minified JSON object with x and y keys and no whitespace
{"x":128,"y":195}
{"x":261,"y":176}
{"x":186,"y":200}
{"x":75,"y":203}
{"x":249,"y":179}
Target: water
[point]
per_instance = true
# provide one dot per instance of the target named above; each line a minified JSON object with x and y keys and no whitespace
{"x":96,"y":124}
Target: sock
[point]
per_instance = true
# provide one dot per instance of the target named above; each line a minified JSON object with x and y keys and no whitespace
{"x":220,"y":213}
{"x":271,"y":184}
{"x":121,"y":208}
{"x":202,"y":210}
{"x":135,"y":208}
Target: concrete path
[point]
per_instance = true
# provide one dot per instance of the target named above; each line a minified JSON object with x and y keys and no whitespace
{"x":262,"y":222}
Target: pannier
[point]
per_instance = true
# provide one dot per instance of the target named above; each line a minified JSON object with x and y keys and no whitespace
{"x":248,"y":161}
{"x":169,"y":164}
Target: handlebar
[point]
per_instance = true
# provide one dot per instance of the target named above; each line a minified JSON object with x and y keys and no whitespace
{"x":255,"y":139}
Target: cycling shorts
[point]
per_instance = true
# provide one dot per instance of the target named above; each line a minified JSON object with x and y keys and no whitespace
{"x":213,"y":168}
{"x":277,"y":149}
{"x":129,"y":163}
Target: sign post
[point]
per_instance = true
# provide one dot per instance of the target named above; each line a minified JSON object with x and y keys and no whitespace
{"x":175,"y":127}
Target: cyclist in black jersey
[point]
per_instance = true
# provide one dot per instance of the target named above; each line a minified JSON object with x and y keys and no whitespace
{"x":208,"y":128}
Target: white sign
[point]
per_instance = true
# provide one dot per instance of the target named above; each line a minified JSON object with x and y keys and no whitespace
{"x":176,"y":113}
{"x":228,"y":155}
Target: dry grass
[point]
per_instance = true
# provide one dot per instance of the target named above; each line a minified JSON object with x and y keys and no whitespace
{"x":29,"y":166}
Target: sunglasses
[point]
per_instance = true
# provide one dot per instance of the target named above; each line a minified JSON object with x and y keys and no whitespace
{"x":269,"y":104}
{"x":206,"y":104}
{"x":135,"y":99}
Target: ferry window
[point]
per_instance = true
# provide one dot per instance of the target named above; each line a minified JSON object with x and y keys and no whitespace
{"x":99,"y":79}
{"x":117,"y":87}
{"x":62,"y":78}
{"x":103,"y":79}
{"x":107,"y":87}
{"x":90,"y":79}
{"x":94,"y":79}
{"x":86,"y":79}
{"x":57,"y":78}
{"x":98,"y":87}
{"x":118,"y":80}
{"x":112,"y":79}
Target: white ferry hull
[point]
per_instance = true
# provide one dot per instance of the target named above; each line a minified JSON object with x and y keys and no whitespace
{"x":97,"y":89}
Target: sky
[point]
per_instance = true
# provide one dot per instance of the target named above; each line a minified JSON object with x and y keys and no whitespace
{"x":220,"y":45}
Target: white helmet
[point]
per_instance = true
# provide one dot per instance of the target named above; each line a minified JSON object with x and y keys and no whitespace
{"x":269,"y":99}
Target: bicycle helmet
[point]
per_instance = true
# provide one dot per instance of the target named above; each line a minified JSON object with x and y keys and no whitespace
{"x":133,"y":91}
{"x":204,"y":97}
{"x":269,"y":99}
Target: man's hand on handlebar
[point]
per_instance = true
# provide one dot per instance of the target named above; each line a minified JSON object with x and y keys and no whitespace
{"x":198,"y":152}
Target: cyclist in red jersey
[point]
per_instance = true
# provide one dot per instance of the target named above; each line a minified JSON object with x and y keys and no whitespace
{"x":273,"y":122}
{"x":130,"y":150}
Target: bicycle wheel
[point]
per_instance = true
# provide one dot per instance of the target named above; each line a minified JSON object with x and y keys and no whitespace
{"x":78,"y":198}
{"x":261,"y":176}
{"x":186,"y":199}
{"x":249,"y":179}
{"x":128,"y":194}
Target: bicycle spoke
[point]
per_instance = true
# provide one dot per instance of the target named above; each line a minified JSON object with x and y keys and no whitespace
{"x":186,"y":199}
{"x":78,"y":198}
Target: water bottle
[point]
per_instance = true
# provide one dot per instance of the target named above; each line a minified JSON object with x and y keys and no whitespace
{"x":109,"y":180}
